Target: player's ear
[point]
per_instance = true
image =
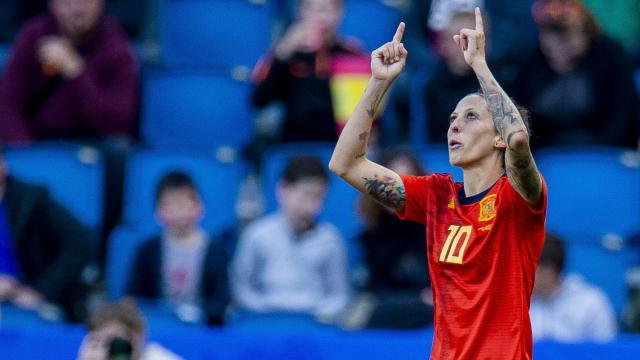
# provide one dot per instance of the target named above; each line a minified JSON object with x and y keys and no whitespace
{"x":499,"y":143}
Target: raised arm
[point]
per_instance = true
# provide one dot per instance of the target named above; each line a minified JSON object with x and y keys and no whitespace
{"x":520,"y":166}
{"x":349,"y":160}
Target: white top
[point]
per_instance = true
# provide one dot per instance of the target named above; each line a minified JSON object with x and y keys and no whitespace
{"x":576,"y":312}
{"x":275,"y":271}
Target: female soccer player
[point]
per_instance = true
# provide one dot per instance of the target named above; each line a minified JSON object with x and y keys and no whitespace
{"x":484,"y":235}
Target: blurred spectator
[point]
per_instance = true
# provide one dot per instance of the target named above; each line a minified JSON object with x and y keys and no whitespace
{"x":394,"y":254}
{"x":578,"y":82}
{"x":70,"y":75}
{"x":567,"y":309}
{"x":43,"y":249}
{"x":286,"y":262}
{"x":183,"y":265}
{"x":619,"y":19}
{"x":452,"y":79}
{"x":117,"y":331}
{"x":301,"y":72}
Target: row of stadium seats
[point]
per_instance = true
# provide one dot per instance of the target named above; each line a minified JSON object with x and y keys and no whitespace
{"x":594,"y":198}
{"x":228,"y":34}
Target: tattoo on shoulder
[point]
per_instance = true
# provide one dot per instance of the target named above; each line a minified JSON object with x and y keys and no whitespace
{"x":387,"y":190}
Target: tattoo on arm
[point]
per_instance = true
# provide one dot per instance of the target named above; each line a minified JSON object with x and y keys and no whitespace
{"x":361,"y":155}
{"x":388,"y":191}
{"x":363,"y":136}
{"x":371,"y":111}
{"x":524,"y":177}
{"x":500,"y":107}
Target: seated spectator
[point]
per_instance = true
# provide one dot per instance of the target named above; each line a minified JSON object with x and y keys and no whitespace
{"x":301,"y":72}
{"x":183,"y":265}
{"x":43,"y":249}
{"x":117,"y":331}
{"x":578,"y":82}
{"x":394,"y":255}
{"x":452,"y":79}
{"x":71,"y":74}
{"x":286,"y":261}
{"x":566,"y":308}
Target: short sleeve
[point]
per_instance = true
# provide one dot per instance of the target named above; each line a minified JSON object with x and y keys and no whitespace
{"x":416,"y":198}
{"x":537,"y":210}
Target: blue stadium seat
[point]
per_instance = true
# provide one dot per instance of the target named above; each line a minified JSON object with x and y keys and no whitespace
{"x":359,"y":15}
{"x":601,"y":266}
{"x":123,"y":246}
{"x":194,"y":109}
{"x":4,"y":55}
{"x":591,"y":191}
{"x":217,"y":182}
{"x":340,"y":207}
{"x":74,"y":174}
{"x":226,"y":34}
{"x":435,"y":159}
{"x":418,"y":115}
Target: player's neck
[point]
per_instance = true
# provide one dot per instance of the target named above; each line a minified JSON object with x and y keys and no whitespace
{"x":479,"y":179}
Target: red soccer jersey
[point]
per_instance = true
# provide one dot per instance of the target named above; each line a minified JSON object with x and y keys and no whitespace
{"x":482,"y":261}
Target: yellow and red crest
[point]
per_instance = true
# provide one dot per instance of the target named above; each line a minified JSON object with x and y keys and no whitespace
{"x":487,"y":208}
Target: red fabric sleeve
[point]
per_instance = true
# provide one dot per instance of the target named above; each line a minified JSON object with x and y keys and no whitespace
{"x":416,"y":188}
{"x":523,"y":207}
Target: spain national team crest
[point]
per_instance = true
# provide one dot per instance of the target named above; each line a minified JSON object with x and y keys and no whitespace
{"x":487,"y":208}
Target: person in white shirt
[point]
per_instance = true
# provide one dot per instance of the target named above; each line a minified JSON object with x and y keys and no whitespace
{"x":566,"y":308}
{"x":286,"y":261}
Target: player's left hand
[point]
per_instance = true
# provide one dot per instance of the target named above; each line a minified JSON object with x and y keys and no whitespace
{"x":472,"y":42}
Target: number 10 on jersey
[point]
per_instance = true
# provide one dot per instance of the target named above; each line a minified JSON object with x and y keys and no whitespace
{"x":448,"y":253}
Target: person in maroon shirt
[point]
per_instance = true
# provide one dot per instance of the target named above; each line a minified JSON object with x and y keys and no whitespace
{"x":71,"y":74}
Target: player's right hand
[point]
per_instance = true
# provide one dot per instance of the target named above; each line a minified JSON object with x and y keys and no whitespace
{"x":388,"y":60}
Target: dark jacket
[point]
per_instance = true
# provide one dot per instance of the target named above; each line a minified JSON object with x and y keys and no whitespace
{"x":596,"y":105}
{"x":100,"y":102}
{"x":146,"y":278}
{"x":52,"y":247}
{"x":302,"y":84}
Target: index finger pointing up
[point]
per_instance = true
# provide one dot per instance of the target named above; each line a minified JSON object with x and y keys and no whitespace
{"x":479,"y":23}
{"x":399,"y":32}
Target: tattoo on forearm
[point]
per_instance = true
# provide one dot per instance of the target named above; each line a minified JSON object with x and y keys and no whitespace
{"x":387,"y":190}
{"x":500,"y":107}
{"x":371,"y":111}
{"x":361,"y":155}
{"x":363,"y":136}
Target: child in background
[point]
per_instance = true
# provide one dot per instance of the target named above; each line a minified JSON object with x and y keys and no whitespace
{"x":182,"y":265}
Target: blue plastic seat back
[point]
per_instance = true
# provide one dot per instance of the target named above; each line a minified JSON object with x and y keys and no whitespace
{"x":592,"y":190}
{"x":124,"y":243}
{"x":226,"y":34}
{"x":435,"y":159}
{"x":74,"y":175}
{"x":195,"y":109}
{"x":359,"y":16}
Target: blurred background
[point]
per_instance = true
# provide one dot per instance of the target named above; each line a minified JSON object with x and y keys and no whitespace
{"x":164,"y":191}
